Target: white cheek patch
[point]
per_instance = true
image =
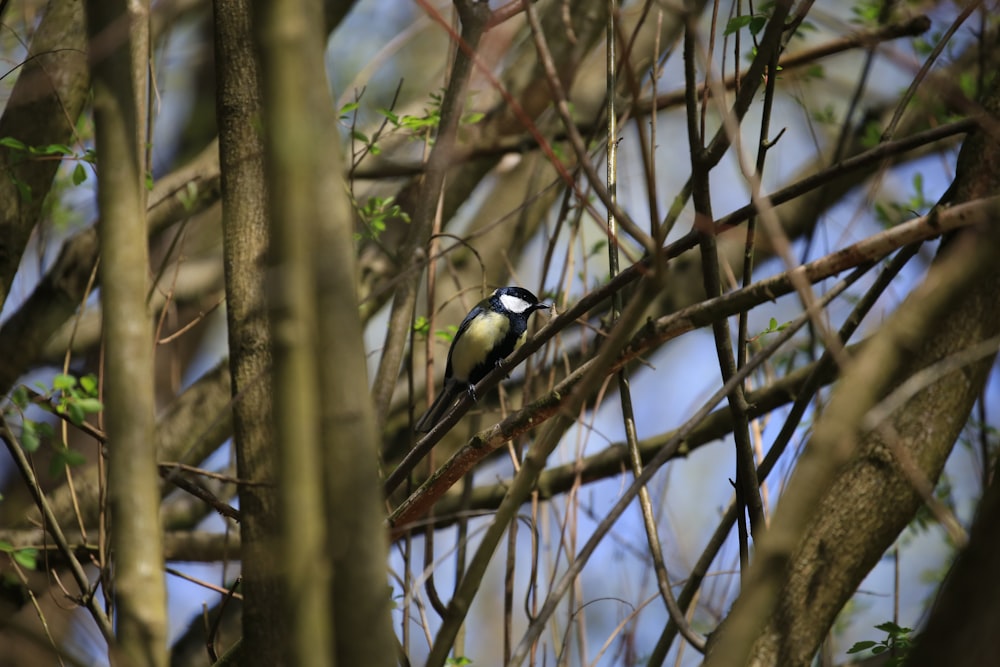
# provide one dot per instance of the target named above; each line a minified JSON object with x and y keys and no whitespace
{"x":514,"y":304}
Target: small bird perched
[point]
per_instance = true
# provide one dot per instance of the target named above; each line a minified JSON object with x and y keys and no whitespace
{"x":491,"y":331}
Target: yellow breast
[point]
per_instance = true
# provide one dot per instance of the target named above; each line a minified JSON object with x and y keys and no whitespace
{"x":476,"y":342}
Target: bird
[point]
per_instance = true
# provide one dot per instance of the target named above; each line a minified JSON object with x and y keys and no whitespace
{"x":492,"y":330}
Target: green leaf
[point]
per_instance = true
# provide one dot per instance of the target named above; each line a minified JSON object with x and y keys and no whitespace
{"x":736,"y":23}
{"x":969,"y":83}
{"x":76,"y":414}
{"x":598,"y":247}
{"x":189,"y":196}
{"x":348,"y":108}
{"x":872,"y":135}
{"x":891,"y":628}
{"x":447,"y":335}
{"x":815,"y":71}
{"x":64,"y":458}
{"x":89,"y":405}
{"x":772,"y":324}
{"x":63,"y":382}
{"x":30,"y":442}
{"x":11,"y":142}
{"x":52,"y":149}
{"x":79,"y":173}
{"x":390,"y":116}
{"x":754,"y":22}
{"x":26,"y":558}
{"x":861,"y":646}
{"x":866,"y":11}
{"x":20,"y":396}
{"x":89,"y":384}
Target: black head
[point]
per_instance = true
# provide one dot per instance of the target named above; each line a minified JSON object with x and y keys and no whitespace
{"x":516,"y":301}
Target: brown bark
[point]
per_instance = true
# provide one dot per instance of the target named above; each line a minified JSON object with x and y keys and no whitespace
{"x":47,"y":99}
{"x":850,"y":496}
{"x":333,"y":550}
{"x":133,"y":478}
{"x":962,"y":628}
{"x":245,"y":243}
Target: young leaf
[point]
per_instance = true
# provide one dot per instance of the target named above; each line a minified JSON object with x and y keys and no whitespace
{"x":89,"y":405}
{"x":20,"y":396}
{"x":892,"y":628}
{"x":861,"y":646}
{"x":11,"y":142}
{"x":79,"y":174}
{"x":390,"y":116}
{"x":64,"y":458}
{"x":30,"y":441}
{"x":77,"y":415}
{"x":52,"y":149}
{"x":736,"y":23}
{"x":63,"y":382}
{"x":447,"y":335}
{"x":26,"y":558}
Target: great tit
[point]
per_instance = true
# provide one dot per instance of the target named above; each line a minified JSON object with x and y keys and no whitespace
{"x":491,"y":331}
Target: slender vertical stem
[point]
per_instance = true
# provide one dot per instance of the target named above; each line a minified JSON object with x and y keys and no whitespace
{"x":624,"y":387}
{"x":116,"y":27}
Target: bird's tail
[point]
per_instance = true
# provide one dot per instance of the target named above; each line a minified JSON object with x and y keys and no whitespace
{"x":438,"y":408}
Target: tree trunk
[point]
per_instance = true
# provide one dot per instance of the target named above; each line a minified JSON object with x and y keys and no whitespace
{"x":245,"y":243}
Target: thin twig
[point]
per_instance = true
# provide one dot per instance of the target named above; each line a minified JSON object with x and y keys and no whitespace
{"x":87,"y":597}
{"x":939,"y":47}
{"x":559,"y":589}
{"x":624,"y":385}
{"x":803,"y":397}
{"x":747,"y":489}
{"x":655,"y":333}
{"x":573,"y":134}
